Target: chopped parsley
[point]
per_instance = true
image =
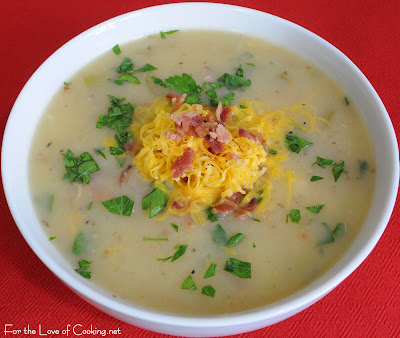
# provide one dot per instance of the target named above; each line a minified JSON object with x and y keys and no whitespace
{"x":188,"y":283}
{"x":50,"y":202}
{"x":122,"y":205}
{"x":155,"y":202}
{"x":79,"y":244}
{"x":101,"y":153}
{"x":164,"y":259}
{"x":79,"y":168}
{"x":51,"y":238}
{"x":163,"y":35}
{"x":236,"y":239}
{"x":179,"y":252}
{"x":210,"y":271}
{"x":146,"y":68}
{"x":238,"y":268}
{"x":272,"y":151}
{"x":254,"y":245}
{"x":126,"y":66}
{"x":316,"y":178}
{"x":66,"y":84}
{"x":346,"y":101}
{"x":243,"y":107}
{"x":126,"y":78}
{"x":316,"y":208}
{"x":322,"y":162}
{"x":296,"y":143}
{"x":83,"y":266}
{"x":158,"y":81}
{"x":210,"y":216}
{"x":175,"y":227}
{"x":185,"y":84}
{"x":250,"y":64}
{"x":155,"y":239}
{"x":328,"y":236}
{"x":337,"y":170}
{"x":294,"y":215}
{"x":119,"y":116}
{"x":339,"y":230}
{"x":235,"y":81}
{"x":116,"y":49}
{"x":219,"y":235}
{"x":208,"y":290}
{"x":363,"y":165}
{"x":255,"y":219}
{"x":90,"y":205}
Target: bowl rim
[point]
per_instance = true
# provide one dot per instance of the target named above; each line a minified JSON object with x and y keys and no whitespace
{"x":301,"y":298}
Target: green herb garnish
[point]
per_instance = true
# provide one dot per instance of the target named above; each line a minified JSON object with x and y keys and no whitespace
{"x":322,"y":162}
{"x":255,"y":219}
{"x":316,"y":178}
{"x":146,"y":68}
{"x":188,"y":283}
{"x":363,"y":165}
{"x":296,"y":143}
{"x":155,"y":202}
{"x":337,"y":170}
{"x":122,"y":205}
{"x":83,"y":266}
{"x":158,"y":81}
{"x":225,"y":100}
{"x":101,"y":153}
{"x":79,"y":168}
{"x":51,"y":238}
{"x":243,"y":107}
{"x":208,"y":290}
{"x":181,"y":250}
{"x":66,"y":84}
{"x":155,"y":239}
{"x":346,"y":101}
{"x":316,"y":208}
{"x":79,"y":244}
{"x":294,"y":215}
{"x":185,"y":84}
{"x":126,"y":66}
{"x":328,"y":236}
{"x":340,"y":229}
{"x":272,"y":151}
{"x":235,"y":81}
{"x":210,"y":216}
{"x":175,"y":227}
{"x":210,"y":271}
{"x":119,"y":116}
{"x":90,"y":206}
{"x":164,"y":259}
{"x":164,"y":34}
{"x":219,"y":235}
{"x":116,"y":49}
{"x":50,"y":202}
{"x":250,"y":64}
{"x":126,"y":78}
{"x":238,"y":268}
{"x":236,"y":239}
{"x":254,"y":245}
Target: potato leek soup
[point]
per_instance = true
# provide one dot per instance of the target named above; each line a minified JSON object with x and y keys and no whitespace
{"x":201,"y":172}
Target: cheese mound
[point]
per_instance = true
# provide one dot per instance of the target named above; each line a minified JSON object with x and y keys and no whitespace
{"x":214,"y":177}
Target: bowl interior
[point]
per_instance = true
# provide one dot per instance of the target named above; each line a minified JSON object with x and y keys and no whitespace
{"x":87,"y":46}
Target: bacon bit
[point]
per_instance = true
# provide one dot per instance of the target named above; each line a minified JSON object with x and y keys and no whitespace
{"x":183,"y":163}
{"x":66,"y":88}
{"x":177,"y":101}
{"x":172,"y":136}
{"x":189,"y":224}
{"x":129,"y":146}
{"x":251,"y":205}
{"x":123,"y":178}
{"x":218,"y":111}
{"x":216,"y":147}
{"x":236,"y":197}
{"x":176,"y":205}
{"x":106,"y":252}
{"x":225,"y":207}
{"x":233,"y":156}
{"x":226,"y":114}
{"x":171,"y":95}
{"x":223,"y":134}
{"x":303,"y":235}
{"x":257,"y":138}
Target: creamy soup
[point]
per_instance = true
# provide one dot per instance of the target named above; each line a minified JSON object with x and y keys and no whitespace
{"x":284,"y":230}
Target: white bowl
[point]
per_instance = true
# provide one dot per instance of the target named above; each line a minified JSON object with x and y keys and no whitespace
{"x":81,"y":50}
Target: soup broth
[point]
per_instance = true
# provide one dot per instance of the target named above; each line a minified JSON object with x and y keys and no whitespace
{"x":287,"y":244}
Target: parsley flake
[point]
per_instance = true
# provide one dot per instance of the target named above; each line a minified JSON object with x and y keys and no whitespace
{"x":116,"y":49}
{"x":181,"y":250}
{"x":238,"y":268}
{"x":122,"y":205}
{"x":79,"y":244}
{"x":296,"y":143}
{"x":155,"y":202}
{"x":210,"y":215}
{"x":208,"y":290}
{"x":79,"y":168}
{"x":236,"y":239}
{"x":316,"y":208}
{"x":294,"y":215}
{"x":175,"y":227}
{"x":322,"y":162}
{"x":219,"y":235}
{"x":210,"y":271}
{"x":316,"y":178}
{"x":188,"y":283}
{"x":83,"y":266}
{"x":337,"y":170}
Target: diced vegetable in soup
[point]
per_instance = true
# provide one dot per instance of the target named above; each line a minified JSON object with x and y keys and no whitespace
{"x":201,"y":172}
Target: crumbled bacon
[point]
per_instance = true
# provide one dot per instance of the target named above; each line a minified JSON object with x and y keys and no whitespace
{"x":172,"y":136}
{"x":176,"y":205}
{"x":216,"y":147}
{"x":231,"y":205}
{"x":171,"y":95}
{"x":226,"y":114}
{"x":251,"y":206}
{"x":123,"y":178}
{"x":223,"y":135}
{"x":225,"y":207}
{"x":177,"y":101}
{"x":218,"y":111}
{"x":183,"y":163}
{"x":257,"y":138}
{"x":233,"y":156}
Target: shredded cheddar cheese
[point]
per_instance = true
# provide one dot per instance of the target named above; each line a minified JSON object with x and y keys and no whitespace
{"x":213,"y":177}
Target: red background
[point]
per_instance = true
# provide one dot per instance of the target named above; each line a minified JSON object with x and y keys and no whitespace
{"x":367,"y":31}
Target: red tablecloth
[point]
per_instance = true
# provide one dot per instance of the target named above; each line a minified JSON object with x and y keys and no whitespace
{"x":367,"y":31}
